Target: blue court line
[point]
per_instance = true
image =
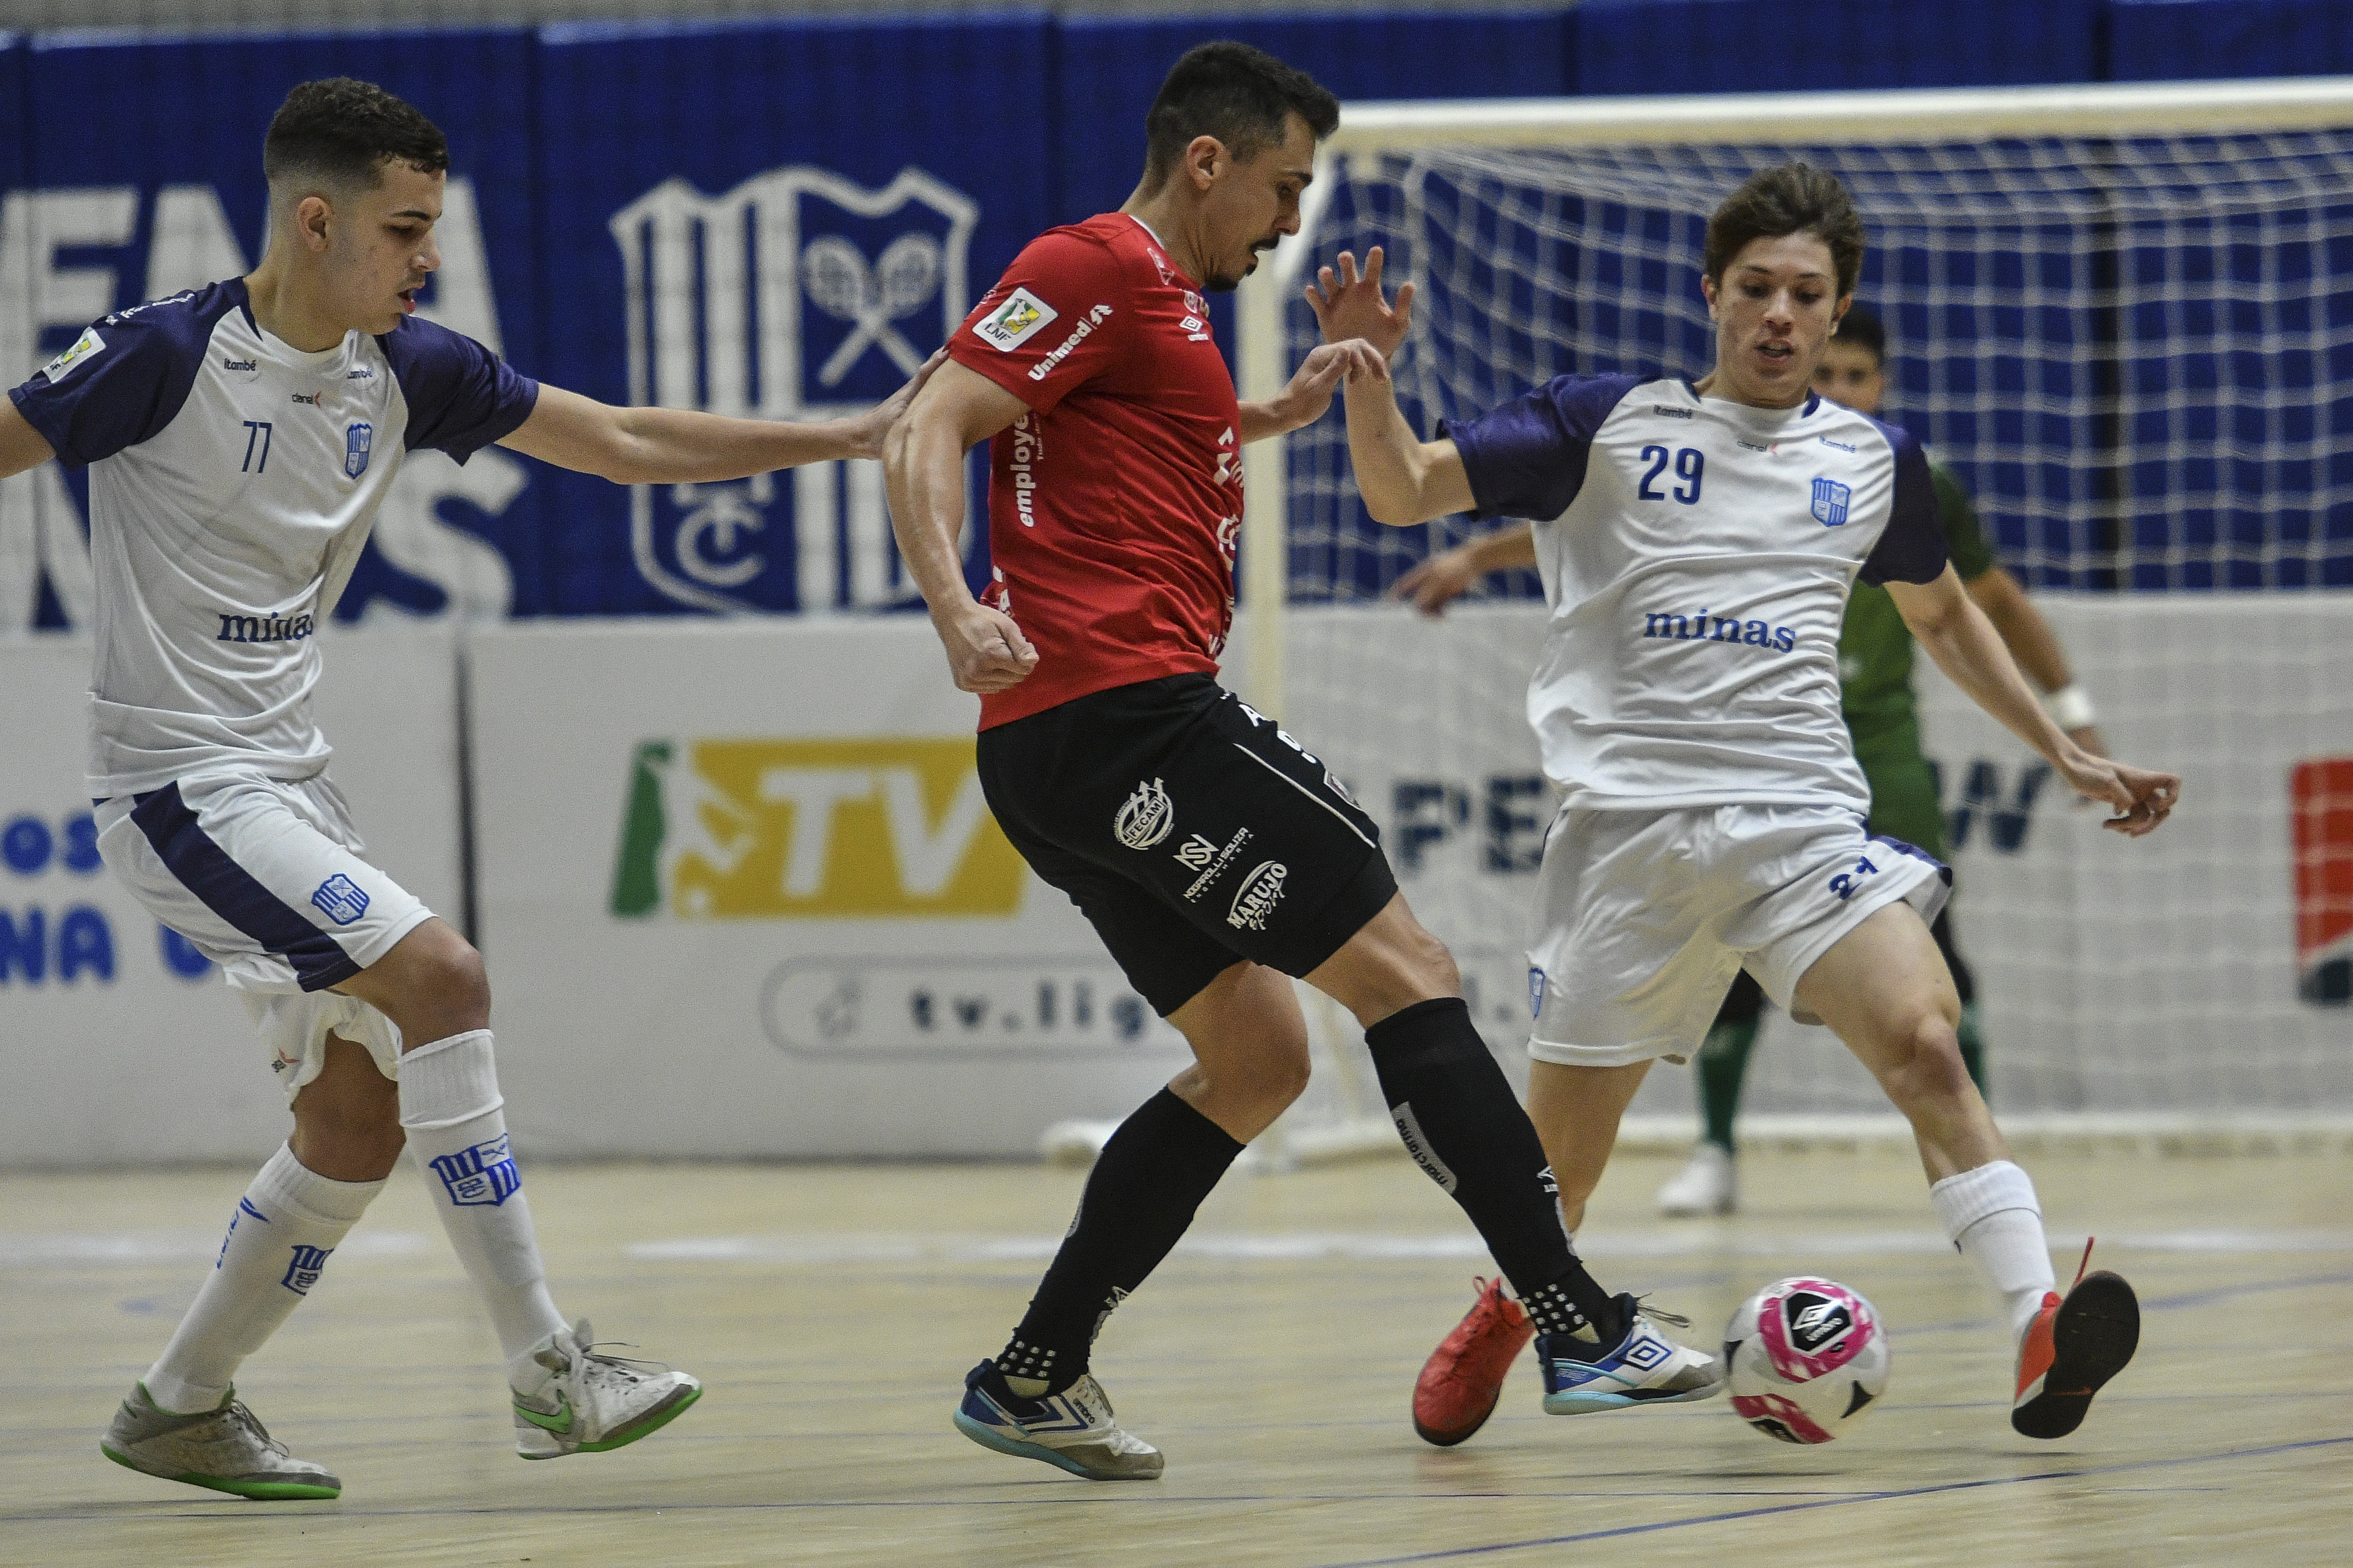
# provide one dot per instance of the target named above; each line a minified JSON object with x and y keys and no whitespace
{"x":1452,"y":1553}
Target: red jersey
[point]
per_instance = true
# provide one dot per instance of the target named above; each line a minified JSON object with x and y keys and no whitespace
{"x":1114,"y":502}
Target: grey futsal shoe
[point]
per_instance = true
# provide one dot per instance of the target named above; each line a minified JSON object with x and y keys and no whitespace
{"x":591,"y":1403}
{"x":224,"y":1448}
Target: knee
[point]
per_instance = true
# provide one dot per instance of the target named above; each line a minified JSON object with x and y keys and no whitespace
{"x":1274,"y":1075}
{"x":1928,"y":1068}
{"x":448,"y":994}
{"x":350,"y":1137}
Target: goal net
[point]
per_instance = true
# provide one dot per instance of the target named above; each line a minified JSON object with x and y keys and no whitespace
{"x":2123,"y":316}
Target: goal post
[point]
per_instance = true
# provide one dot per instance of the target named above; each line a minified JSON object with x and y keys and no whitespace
{"x":2124,"y":315}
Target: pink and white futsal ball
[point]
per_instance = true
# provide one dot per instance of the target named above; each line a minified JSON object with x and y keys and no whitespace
{"x":1807,"y":1360}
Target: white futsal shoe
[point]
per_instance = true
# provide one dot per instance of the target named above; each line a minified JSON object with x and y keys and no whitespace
{"x":224,"y":1448}
{"x":592,"y":1403}
{"x":1709,"y":1184}
{"x":1072,"y":1430}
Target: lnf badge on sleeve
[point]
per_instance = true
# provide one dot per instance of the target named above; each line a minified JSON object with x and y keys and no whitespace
{"x":362,"y":436}
{"x":1829,"y":503}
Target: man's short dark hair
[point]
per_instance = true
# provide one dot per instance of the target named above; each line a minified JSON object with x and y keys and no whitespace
{"x":1794,"y":198}
{"x":1241,"y":95}
{"x":343,"y":133}
{"x":1859,"y":328}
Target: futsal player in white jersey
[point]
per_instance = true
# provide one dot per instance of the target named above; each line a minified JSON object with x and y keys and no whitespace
{"x":1696,"y":542}
{"x":240,"y":438}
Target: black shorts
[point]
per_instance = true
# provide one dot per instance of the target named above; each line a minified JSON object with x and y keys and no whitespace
{"x":1191,"y":831}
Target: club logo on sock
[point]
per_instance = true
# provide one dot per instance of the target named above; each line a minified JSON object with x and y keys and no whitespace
{"x":244,"y":1207}
{"x":303,"y":1272}
{"x":484,"y":1174}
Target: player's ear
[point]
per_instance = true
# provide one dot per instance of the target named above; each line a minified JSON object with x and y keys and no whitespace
{"x":313,"y":217}
{"x":1707,"y":292}
{"x":1204,"y":156}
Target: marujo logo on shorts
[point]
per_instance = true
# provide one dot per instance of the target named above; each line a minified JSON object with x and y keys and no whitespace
{"x":1146,"y":818}
{"x":1260,"y":890}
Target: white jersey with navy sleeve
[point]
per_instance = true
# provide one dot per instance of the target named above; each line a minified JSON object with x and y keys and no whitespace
{"x":232,"y":481}
{"x":1696,"y":554}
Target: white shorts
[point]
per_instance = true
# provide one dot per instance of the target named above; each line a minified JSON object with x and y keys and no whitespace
{"x":1643,"y":918}
{"x":265,"y":876}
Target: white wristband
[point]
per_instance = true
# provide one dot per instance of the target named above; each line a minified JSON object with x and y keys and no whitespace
{"x":2071,"y":709}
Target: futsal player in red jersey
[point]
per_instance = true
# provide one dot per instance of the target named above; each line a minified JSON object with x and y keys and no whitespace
{"x":1213,"y":856}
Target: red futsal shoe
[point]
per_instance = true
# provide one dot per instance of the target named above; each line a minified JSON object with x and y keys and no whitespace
{"x":1464,"y":1376}
{"x":2071,"y":1349}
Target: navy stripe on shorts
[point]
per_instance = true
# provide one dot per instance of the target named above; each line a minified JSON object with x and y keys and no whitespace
{"x":230,"y":892}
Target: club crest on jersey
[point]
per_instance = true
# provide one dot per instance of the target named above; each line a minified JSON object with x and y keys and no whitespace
{"x":341,"y":900}
{"x":357,"y":439}
{"x":303,"y":1271}
{"x":1146,"y":818}
{"x":1829,"y":503}
{"x":484,"y":1174}
{"x":835,"y":294}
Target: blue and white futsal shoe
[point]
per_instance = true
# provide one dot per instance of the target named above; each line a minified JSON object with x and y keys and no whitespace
{"x":1072,"y":1430}
{"x":1643,"y":1368}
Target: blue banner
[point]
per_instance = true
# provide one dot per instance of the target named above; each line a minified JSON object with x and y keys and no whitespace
{"x":145,"y":160}
{"x":789,"y":241}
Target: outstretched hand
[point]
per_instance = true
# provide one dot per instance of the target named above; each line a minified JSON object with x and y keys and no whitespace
{"x":1437,"y":580}
{"x":1348,"y":306}
{"x":876,"y":422}
{"x":2142,"y":799}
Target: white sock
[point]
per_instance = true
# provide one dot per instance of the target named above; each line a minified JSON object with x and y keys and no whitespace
{"x":1991,"y":1215}
{"x":287,"y":1222}
{"x":449,"y":1107}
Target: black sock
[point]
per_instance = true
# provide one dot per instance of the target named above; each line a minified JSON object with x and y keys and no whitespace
{"x":1456,"y":1112}
{"x":1151,"y":1177}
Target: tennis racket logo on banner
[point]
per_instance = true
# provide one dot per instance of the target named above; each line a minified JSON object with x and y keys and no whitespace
{"x":798,"y":294}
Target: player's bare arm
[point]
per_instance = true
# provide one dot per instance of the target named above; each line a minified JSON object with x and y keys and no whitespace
{"x":677,"y":445}
{"x":1966,"y":646}
{"x":923,"y":464}
{"x":2033,"y":643}
{"x":1404,"y":480}
{"x":1444,"y":577}
{"x":21,"y":445}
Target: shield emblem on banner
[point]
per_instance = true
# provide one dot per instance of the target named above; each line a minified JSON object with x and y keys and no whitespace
{"x":798,"y":294}
{"x":357,"y":439}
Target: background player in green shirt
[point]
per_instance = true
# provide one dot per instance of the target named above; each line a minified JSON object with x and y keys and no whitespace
{"x":1875,"y":668}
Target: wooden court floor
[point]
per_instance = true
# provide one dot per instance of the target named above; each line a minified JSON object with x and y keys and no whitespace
{"x":832,"y":1311}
